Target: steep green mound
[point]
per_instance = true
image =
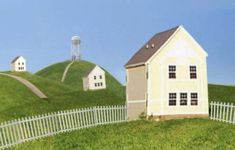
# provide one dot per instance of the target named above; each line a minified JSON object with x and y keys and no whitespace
{"x":75,"y":74}
{"x":191,"y":134}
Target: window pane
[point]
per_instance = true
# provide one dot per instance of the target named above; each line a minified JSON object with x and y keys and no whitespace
{"x":183,"y":98}
{"x":194,"y":99}
{"x":193,"y":72}
{"x":172,"y":68}
{"x":172,"y":99}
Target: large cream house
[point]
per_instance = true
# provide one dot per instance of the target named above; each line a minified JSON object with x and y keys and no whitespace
{"x":94,"y":79}
{"x":167,"y":77}
{"x":18,"y":64}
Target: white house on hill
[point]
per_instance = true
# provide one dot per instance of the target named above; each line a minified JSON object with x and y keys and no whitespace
{"x":18,"y":64}
{"x":94,"y":79}
{"x":167,"y":77}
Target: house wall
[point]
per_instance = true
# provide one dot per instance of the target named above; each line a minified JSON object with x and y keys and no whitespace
{"x":136,"y":89}
{"x":181,"y":51}
{"x":91,"y":81}
{"x":19,"y":63}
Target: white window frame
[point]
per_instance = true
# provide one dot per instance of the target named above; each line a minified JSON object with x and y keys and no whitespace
{"x":169,"y":71}
{"x":193,"y":72}
{"x":169,"y":98}
{"x":186,"y":99}
{"x":191,"y":98}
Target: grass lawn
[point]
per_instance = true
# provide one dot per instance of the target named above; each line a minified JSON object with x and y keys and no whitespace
{"x":174,"y":134}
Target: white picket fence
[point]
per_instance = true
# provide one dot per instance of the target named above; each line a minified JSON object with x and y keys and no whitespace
{"x":224,"y":112}
{"x":35,"y":127}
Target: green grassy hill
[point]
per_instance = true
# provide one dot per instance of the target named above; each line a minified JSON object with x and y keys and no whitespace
{"x":191,"y":134}
{"x":75,"y":74}
{"x":16,"y":100}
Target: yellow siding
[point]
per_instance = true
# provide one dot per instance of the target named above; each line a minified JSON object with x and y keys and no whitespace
{"x":181,"y":51}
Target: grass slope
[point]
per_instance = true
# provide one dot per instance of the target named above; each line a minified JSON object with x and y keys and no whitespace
{"x":13,"y":95}
{"x":16,"y":100}
{"x":221,"y":93}
{"x":175,"y":134}
{"x":54,"y":72}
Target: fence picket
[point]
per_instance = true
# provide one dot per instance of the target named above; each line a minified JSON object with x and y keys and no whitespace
{"x":212,"y":110}
{"x":234,"y":117}
{"x":224,"y":112}
{"x":29,"y":128}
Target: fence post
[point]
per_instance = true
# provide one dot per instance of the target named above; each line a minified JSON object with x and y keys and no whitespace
{"x":234,"y":116}
{"x":231,"y":113}
{"x":95,"y":115}
{"x":211,"y":112}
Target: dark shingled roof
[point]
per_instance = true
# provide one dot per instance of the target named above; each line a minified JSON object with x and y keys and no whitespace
{"x":145,"y":53}
{"x":88,"y":72}
{"x":15,"y":59}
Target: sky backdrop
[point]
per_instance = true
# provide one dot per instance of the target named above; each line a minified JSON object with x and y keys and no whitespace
{"x":112,"y":31}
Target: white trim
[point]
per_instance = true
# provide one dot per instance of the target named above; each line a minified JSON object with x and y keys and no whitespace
{"x":136,"y":101}
{"x":148,"y":86}
{"x":134,"y":65}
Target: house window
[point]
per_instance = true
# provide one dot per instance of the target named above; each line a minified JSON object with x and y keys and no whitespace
{"x":183,"y":99}
{"x":94,"y":77}
{"x":22,"y":63}
{"x":172,"y":72}
{"x":18,"y":63}
{"x":172,"y":99}
{"x":19,"y":68}
{"x":194,"y":99}
{"x":193,"y":72}
{"x":100,"y":76}
{"x":101,"y":84}
{"x":95,"y":85}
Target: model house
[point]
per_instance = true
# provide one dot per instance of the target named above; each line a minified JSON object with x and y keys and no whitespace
{"x":18,"y":64}
{"x":94,"y":79}
{"x":167,"y":77}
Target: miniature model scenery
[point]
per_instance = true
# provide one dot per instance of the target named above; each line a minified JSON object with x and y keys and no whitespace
{"x":117,"y":75}
{"x":167,"y":77}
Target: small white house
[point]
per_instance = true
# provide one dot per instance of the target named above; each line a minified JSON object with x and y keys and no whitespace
{"x":18,"y":64}
{"x":94,"y":79}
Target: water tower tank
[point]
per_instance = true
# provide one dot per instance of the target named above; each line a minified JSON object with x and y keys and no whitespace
{"x":75,"y":48}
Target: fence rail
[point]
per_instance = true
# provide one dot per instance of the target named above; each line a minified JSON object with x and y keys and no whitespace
{"x":18,"y":131}
{"x":224,"y":112}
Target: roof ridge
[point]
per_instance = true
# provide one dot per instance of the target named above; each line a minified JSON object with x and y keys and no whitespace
{"x":151,"y":47}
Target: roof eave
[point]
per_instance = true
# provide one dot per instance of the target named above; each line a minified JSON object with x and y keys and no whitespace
{"x":134,"y":65}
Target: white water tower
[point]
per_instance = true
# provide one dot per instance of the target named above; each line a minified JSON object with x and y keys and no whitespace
{"x":75,"y":48}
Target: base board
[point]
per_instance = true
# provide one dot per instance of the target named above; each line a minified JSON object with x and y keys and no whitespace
{"x":179,"y":116}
